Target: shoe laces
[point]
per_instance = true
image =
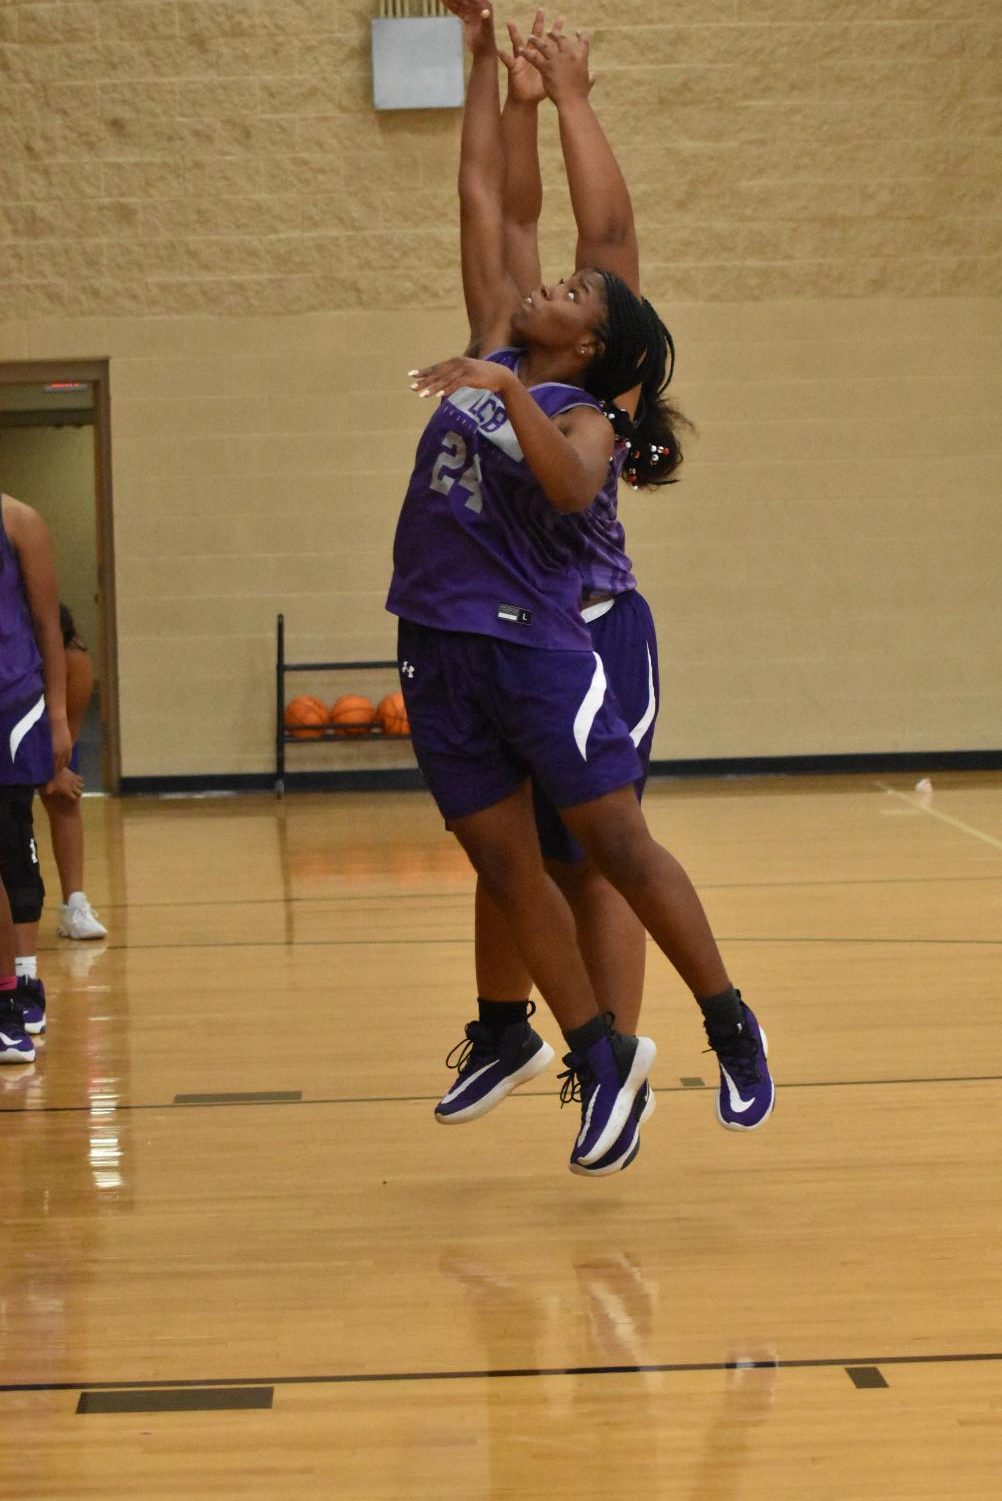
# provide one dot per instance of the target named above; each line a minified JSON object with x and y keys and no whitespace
{"x":737,"y":1052}
{"x":576,"y":1079}
{"x":579,"y":1074}
{"x":480,"y":1044}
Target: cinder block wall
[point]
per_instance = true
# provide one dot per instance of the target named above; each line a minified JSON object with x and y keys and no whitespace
{"x":200,"y":191}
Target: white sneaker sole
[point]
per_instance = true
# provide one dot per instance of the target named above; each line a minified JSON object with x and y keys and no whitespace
{"x":98,"y":931}
{"x":625,"y":1158}
{"x":16,"y":1055}
{"x":643,"y":1062}
{"x":536,"y":1065}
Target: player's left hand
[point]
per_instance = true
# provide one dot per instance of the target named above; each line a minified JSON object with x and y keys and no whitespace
{"x":525,"y":83}
{"x":447,"y":376}
{"x":65,"y":783}
{"x":562,"y":61}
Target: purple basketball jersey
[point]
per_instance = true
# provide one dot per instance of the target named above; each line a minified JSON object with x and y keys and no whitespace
{"x":479,"y":548}
{"x":20,"y":659}
{"x":598,"y":540}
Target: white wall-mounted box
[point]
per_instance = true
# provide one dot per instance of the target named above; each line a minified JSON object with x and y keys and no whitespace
{"x":417,"y":62}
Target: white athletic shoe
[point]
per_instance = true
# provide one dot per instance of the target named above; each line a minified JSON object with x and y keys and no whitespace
{"x":77,"y":919}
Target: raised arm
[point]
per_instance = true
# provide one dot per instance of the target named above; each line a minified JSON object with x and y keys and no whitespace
{"x":488,"y":287}
{"x":603,"y":212}
{"x":522,"y":200}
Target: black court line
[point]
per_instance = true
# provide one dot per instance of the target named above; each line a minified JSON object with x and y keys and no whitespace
{"x":370,"y":1378}
{"x":346,"y":898}
{"x":384,"y":942}
{"x":295,"y":1096}
{"x":243,"y":1097}
{"x":177,"y":1399}
{"x":865,"y":1376}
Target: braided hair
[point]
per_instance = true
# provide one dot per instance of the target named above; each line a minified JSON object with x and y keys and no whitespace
{"x":636,"y":348}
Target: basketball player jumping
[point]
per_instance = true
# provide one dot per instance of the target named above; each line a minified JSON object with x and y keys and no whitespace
{"x":497,"y":667}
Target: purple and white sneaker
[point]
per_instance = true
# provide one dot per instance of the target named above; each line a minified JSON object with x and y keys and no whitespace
{"x":15,"y":1045}
{"x":606,"y":1080}
{"x":490,"y":1066}
{"x":623,"y":1151}
{"x":747,"y":1094}
{"x":30,"y":996}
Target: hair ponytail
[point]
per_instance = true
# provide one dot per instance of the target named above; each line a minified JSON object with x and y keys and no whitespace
{"x":635,"y":343}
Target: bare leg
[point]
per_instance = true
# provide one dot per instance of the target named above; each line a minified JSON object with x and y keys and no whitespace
{"x":66,"y":827}
{"x":613,"y":831}
{"x":611,"y":938}
{"x":501,"y":971}
{"x":26,"y":939}
{"x":503,"y":848}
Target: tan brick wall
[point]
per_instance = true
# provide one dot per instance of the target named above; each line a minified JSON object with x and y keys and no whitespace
{"x":200,"y":191}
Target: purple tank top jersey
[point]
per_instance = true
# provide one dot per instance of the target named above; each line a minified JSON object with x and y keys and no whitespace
{"x":20,"y":660}
{"x":599,"y":541}
{"x":478,"y":545}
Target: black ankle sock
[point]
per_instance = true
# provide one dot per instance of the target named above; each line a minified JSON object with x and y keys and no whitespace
{"x":723,"y":1011}
{"x":497,"y":1016}
{"x":580,"y":1039}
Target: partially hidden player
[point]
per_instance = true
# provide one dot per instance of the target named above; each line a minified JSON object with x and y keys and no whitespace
{"x":61,"y":797}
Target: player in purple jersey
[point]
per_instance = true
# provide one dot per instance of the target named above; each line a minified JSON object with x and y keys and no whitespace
{"x":34,"y":731}
{"x":496,"y":665}
{"x":611,"y":938}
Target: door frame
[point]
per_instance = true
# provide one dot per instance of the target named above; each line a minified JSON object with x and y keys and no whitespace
{"x":96,"y":374}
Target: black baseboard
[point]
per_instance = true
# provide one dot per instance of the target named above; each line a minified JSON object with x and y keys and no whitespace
{"x":407,"y":778}
{"x":812,"y":766}
{"x":392,"y":779}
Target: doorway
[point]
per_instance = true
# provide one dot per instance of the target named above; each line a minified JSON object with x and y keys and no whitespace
{"x":55,"y":456}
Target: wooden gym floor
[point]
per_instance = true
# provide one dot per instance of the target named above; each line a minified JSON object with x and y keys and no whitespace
{"x":242,"y":1261}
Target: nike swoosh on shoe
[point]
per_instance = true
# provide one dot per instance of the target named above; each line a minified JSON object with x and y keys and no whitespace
{"x":738,"y":1105}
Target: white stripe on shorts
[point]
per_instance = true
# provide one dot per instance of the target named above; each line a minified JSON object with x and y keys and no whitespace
{"x":590,"y":705}
{"x":643,"y":725}
{"x":24,"y":724}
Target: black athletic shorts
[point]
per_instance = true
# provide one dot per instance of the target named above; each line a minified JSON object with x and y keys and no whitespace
{"x":19,"y":866}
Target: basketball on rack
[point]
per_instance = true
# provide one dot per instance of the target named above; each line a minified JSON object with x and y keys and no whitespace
{"x":351,"y":714}
{"x":306,"y":717}
{"x":392,"y":715}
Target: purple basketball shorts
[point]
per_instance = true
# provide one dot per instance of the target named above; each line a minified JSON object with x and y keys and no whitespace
{"x":25,"y":745}
{"x":623,"y":635}
{"x":486,"y":714}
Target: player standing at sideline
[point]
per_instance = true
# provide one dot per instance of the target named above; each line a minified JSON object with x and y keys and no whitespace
{"x":61,"y":796}
{"x":34,"y":733}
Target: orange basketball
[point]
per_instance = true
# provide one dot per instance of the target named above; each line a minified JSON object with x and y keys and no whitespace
{"x":392,"y":715}
{"x":351,"y":714}
{"x":302,"y":711}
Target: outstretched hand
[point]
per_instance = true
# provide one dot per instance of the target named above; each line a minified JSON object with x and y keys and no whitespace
{"x":525,"y":82}
{"x":562,"y":64}
{"x":477,"y":17}
{"x":446,"y":376}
